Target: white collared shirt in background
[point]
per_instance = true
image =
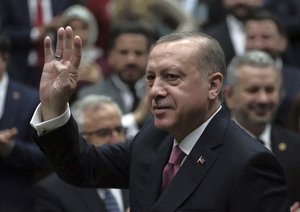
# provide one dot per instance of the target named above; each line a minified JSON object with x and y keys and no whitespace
{"x":237,"y":34}
{"x":3,"y":91}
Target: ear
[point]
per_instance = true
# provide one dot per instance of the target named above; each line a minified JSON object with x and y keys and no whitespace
{"x":228,"y":96}
{"x":215,"y":85}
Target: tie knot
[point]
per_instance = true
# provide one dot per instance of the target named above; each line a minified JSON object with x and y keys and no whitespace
{"x":177,"y":155}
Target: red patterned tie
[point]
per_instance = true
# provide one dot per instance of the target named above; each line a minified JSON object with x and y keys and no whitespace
{"x":39,"y":21}
{"x":39,"y":14}
{"x":172,"y":166}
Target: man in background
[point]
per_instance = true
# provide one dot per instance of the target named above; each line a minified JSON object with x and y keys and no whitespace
{"x":53,"y":194}
{"x":252,"y":94}
{"x":20,"y":158}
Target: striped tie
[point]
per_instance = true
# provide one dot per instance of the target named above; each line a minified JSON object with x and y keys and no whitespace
{"x":110,"y":202}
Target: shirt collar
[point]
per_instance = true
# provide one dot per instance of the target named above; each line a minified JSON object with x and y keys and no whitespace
{"x":187,"y":144}
{"x":3,"y":90}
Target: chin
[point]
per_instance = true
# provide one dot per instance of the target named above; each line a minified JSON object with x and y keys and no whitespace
{"x":162,"y":124}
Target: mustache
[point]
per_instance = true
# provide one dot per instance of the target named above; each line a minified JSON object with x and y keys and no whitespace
{"x":131,"y":66}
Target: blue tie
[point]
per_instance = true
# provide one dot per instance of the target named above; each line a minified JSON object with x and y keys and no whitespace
{"x":110,"y":202}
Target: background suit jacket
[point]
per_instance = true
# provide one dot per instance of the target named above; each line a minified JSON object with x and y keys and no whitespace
{"x":16,"y":23}
{"x":109,"y":88}
{"x":291,"y":86}
{"x":286,"y":147}
{"x":52,"y":194}
{"x":237,"y":174}
{"x":17,"y":170}
{"x":220,"y":32}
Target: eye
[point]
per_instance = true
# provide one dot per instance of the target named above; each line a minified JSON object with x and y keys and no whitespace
{"x":150,"y":79}
{"x":253,"y":90}
{"x":171,"y":77}
{"x":270,"y":89}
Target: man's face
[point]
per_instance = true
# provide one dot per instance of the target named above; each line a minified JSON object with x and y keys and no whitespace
{"x":264,"y":35}
{"x":80,"y":28}
{"x":106,"y":130}
{"x":178,"y":91}
{"x":129,"y":57}
{"x":255,"y":97}
{"x":241,"y":8}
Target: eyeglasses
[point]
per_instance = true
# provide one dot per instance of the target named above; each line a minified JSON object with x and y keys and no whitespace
{"x":105,"y":132}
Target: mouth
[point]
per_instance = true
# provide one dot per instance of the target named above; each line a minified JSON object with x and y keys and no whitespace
{"x":158,"y":110}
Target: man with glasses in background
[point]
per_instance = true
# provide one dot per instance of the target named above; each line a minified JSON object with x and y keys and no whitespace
{"x":52,"y":194}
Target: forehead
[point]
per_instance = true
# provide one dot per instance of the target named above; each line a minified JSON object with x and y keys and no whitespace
{"x":246,"y":2}
{"x":253,"y":74}
{"x":172,"y":53}
{"x":257,"y":26}
{"x":129,"y":40}
{"x":106,"y":113}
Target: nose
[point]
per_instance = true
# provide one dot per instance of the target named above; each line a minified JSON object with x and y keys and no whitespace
{"x":158,"y":88}
{"x":262,"y":97}
{"x":131,"y":56}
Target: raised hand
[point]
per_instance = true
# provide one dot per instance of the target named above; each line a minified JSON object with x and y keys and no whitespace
{"x":59,"y":77}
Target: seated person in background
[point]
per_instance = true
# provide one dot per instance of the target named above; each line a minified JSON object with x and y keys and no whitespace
{"x":20,"y":158}
{"x":252,"y":94}
{"x":53,"y":194}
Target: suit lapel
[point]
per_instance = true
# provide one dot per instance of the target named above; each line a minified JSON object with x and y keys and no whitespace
{"x":91,"y":199}
{"x":153,"y":188}
{"x":195,"y":167}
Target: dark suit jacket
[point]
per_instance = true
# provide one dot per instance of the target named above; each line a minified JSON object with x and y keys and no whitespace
{"x":291,"y":86}
{"x":17,"y":170}
{"x":238,"y":173}
{"x":52,"y":194}
{"x":220,"y":32}
{"x":109,"y":88}
{"x":16,"y":23}
{"x":286,"y":147}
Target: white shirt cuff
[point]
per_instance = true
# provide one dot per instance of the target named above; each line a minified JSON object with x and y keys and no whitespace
{"x":44,"y":127}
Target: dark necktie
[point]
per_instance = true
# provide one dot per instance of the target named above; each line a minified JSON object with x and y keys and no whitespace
{"x":110,"y":202}
{"x":172,"y":166}
{"x":136,"y":99}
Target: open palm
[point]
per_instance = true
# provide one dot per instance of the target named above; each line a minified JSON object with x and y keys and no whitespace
{"x":59,"y":77}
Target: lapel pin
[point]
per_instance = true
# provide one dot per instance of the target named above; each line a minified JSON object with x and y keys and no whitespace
{"x":201,"y":160}
{"x":282,"y":146}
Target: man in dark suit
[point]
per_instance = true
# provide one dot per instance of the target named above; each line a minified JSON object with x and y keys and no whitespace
{"x":53,"y":194}
{"x":230,"y":32}
{"x":20,"y":157}
{"x":252,"y":94}
{"x":18,"y":21}
{"x":129,"y":46}
{"x":265,"y":32}
{"x":222,"y":165}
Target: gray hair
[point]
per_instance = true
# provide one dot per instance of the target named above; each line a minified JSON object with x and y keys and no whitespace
{"x":210,"y":56}
{"x":255,"y":58}
{"x":88,"y":102}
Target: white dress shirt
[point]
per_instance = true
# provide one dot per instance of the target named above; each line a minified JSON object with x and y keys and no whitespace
{"x":237,"y":34}
{"x":3,"y":91}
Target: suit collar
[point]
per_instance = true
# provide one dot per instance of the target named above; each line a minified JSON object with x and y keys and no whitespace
{"x":195,"y":167}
